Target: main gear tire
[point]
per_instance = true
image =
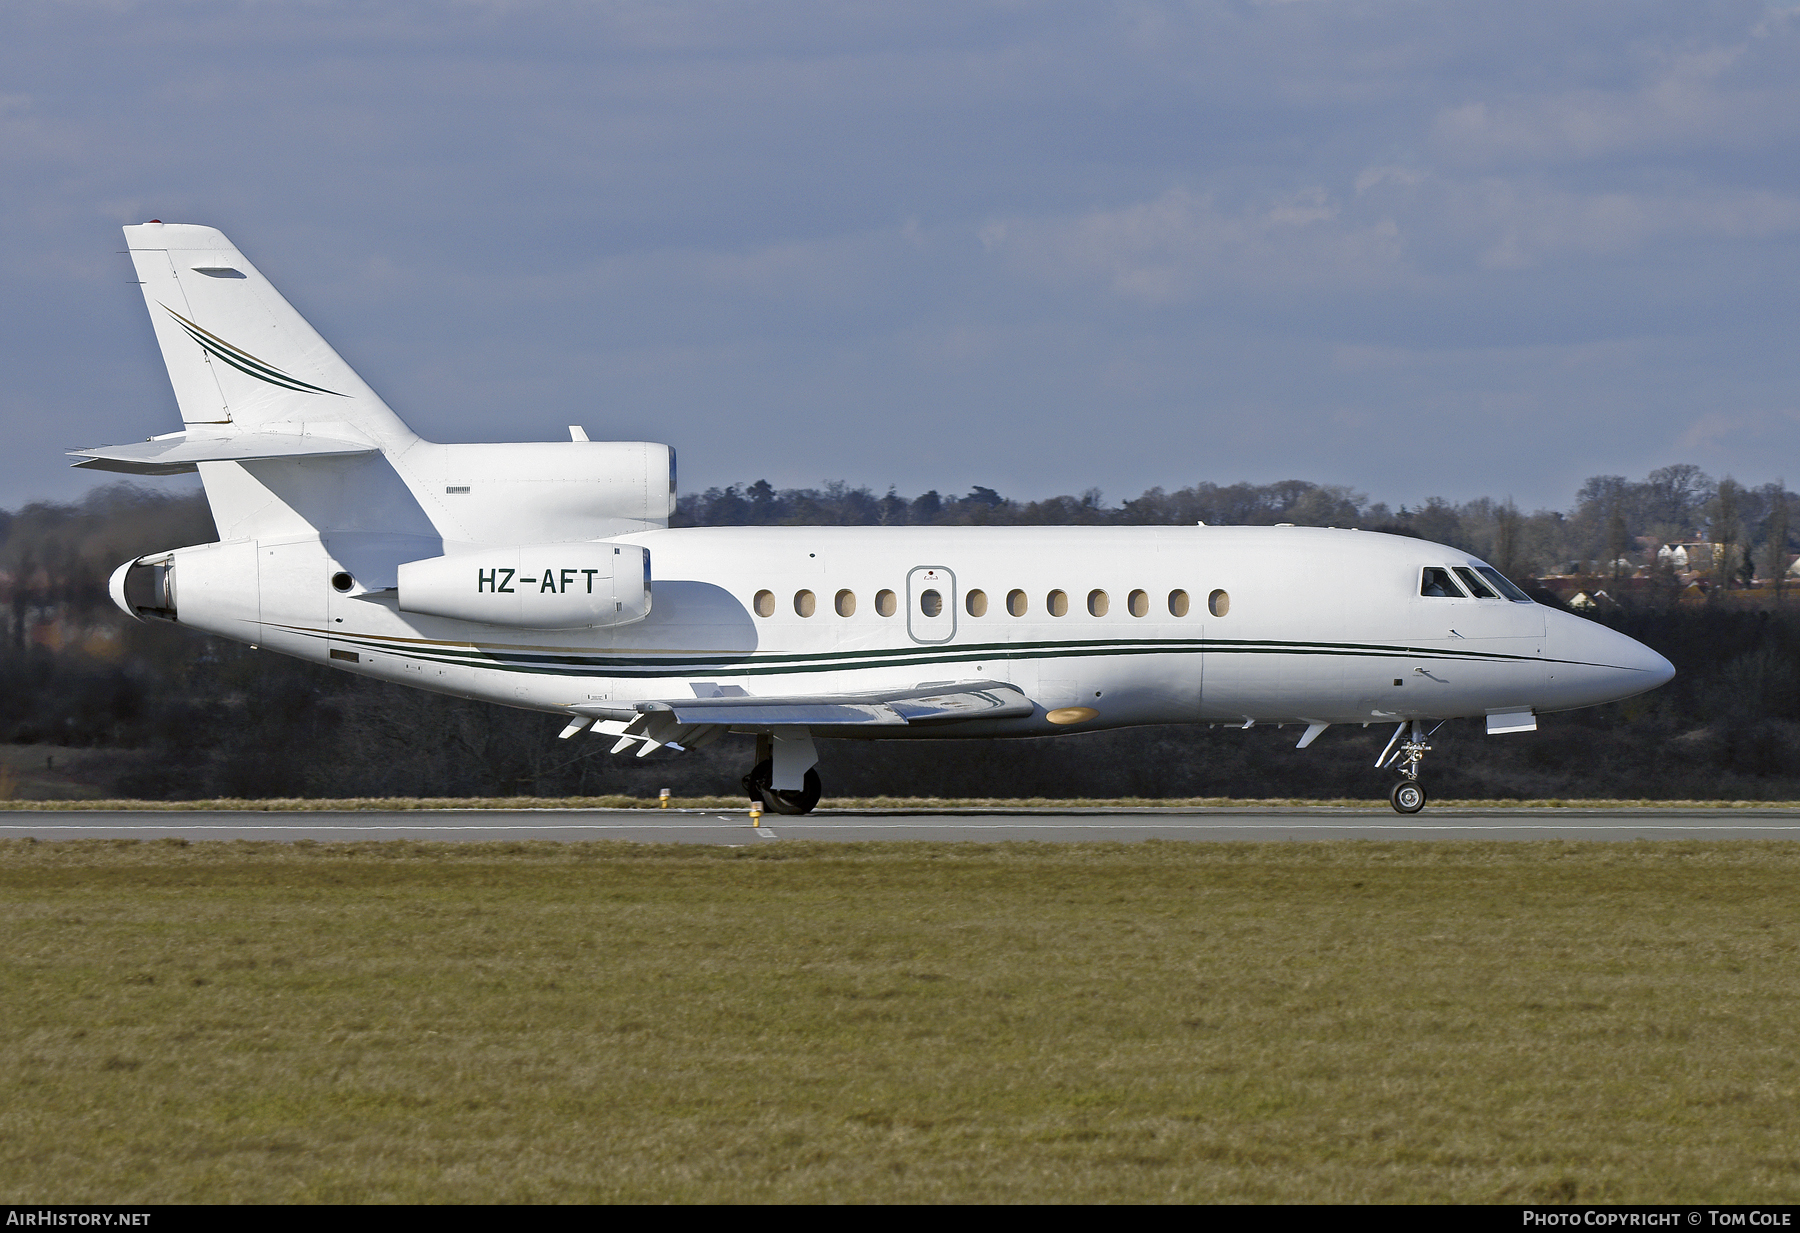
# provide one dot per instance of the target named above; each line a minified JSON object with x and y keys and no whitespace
{"x":756,"y":787}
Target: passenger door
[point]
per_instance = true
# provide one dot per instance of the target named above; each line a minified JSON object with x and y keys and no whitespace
{"x":930,"y":604}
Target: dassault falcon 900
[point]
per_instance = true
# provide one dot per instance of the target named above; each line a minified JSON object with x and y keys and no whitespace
{"x":544,"y":575}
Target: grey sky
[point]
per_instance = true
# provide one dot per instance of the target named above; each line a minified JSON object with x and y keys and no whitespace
{"x":1418,"y":249}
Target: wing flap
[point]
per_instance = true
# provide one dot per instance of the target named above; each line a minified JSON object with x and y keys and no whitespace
{"x":985,"y":702}
{"x":777,"y":712}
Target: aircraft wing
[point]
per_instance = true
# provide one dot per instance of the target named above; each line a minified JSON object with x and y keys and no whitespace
{"x":178,"y":452}
{"x":690,"y":722}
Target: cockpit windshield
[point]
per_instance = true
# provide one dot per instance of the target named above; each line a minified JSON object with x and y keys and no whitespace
{"x":1479,"y":581}
{"x":1438,"y":584}
{"x":1502,"y":585}
{"x":1472,"y":580}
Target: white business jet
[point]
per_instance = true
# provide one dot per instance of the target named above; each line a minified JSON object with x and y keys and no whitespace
{"x":545,"y":576}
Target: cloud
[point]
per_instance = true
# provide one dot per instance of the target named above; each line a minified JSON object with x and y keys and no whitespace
{"x":1729,"y":433}
{"x":1715,"y":99}
{"x":1521,"y":223}
{"x":1397,"y":228}
{"x":1182,"y":245}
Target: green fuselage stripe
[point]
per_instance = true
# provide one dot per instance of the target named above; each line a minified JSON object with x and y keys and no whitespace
{"x":603,"y":664}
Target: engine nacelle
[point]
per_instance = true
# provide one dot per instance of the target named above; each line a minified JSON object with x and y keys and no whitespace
{"x":533,"y":586}
{"x":539,"y":491}
{"x":212,"y":587}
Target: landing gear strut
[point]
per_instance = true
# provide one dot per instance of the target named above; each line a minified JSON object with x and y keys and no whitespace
{"x":1405,"y":752}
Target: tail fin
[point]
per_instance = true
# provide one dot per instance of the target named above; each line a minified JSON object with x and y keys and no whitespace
{"x":289,"y":440}
{"x":255,"y":382}
{"x":238,"y":354}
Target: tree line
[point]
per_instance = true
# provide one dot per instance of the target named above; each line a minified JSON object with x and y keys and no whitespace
{"x":162,"y":712}
{"x":1614,"y":523}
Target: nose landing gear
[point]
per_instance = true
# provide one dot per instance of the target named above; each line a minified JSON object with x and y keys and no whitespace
{"x":1405,"y":752}
{"x":1407,"y":797}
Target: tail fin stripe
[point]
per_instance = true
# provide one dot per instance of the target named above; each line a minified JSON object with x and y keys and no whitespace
{"x":243,"y":361}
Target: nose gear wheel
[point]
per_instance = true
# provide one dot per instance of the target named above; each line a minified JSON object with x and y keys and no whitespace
{"x":1407,"y":797}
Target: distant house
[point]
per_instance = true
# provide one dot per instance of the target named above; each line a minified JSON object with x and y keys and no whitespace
{"x":1688,"y":554}
{"x":1694,"y":556}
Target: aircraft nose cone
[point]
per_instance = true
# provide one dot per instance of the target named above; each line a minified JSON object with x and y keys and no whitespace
{"x":1589,"y":664}
{"x":1648,"y":668}
{"x":1659,"y":670}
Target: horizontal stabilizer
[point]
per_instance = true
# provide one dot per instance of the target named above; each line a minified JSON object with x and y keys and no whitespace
{"x":179,"y":452}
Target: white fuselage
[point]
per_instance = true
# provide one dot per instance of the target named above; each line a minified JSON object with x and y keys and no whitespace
{"x":1279,"y":624}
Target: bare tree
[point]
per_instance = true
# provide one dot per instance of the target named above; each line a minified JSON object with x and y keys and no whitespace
{"x":1727,"y":531}
{"x":1776,"y":547}
{"x":1618,"y":543}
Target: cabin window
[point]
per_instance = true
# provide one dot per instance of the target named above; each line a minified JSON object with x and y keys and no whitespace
{"x":976,"y":603}
{"x":931,"y":603}
{"x":885,"y":604}
{"x":1057,"y":603}
{"x":1472,"y":580}
{"x":1138,"y":604}
{"x":1098,"y":604}
{"x":1437,"y":583}
{"x":804,"y":603}
{"x":1016,"y":603}
{"x":764,"y":603}
{"x":1218,"y":603}
{"x":1503,"y":584}
{"x":1178,"y":603}
{"x":846,"y":603}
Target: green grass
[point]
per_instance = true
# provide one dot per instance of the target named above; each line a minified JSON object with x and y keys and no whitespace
{"x":804,"y":1022}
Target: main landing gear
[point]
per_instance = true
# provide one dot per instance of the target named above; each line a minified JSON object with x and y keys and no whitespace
{"x":1405,"y":753}
{"x":759,"y":784}
{"x":757,"y":788}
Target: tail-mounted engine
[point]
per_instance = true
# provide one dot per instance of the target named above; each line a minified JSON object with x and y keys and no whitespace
{"x":533,"y":586}
{"x":145,"y":588}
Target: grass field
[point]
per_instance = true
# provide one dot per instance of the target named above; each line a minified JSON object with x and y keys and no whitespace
{"x":591,"y":1022}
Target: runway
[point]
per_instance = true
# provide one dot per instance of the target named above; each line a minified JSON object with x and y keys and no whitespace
{"x":977,"y":826}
